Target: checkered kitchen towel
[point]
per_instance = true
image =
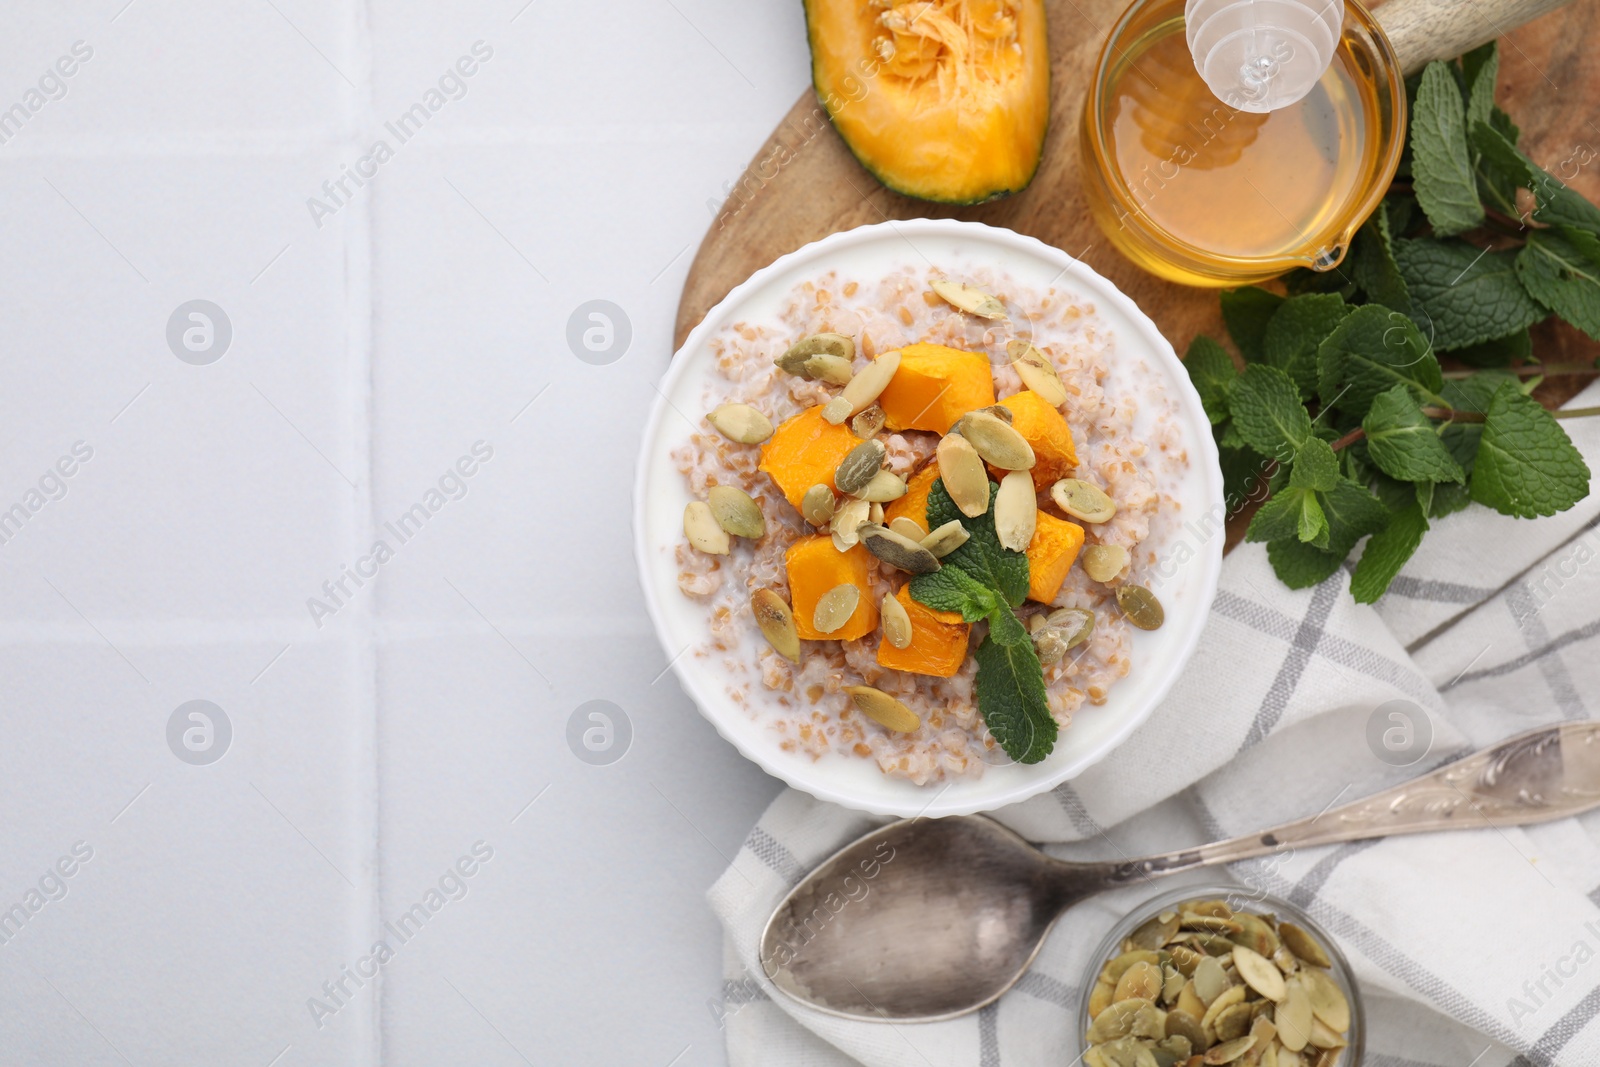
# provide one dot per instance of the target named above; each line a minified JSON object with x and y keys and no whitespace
{"x":1477,"y":947}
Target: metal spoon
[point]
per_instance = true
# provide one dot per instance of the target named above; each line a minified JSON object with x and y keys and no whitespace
{"x":928,"y":919}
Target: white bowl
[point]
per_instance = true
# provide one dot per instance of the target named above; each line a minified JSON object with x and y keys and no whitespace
{"x":660,"y":494}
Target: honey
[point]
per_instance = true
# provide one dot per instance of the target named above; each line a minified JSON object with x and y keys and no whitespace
{"x":1202,"y":193}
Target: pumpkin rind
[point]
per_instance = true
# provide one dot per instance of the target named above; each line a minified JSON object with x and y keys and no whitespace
{"x":926,"y":120}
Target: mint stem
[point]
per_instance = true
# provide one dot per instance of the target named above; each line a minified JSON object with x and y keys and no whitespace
{"x":1531,"y":370}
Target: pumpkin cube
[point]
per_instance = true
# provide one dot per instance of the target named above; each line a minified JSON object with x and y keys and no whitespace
{"x":938,"y":641}
{"x":1042,"y":426}
{"x":803,"y":451}
{"x":1050,"y":554}
{"x":815,"y":567}
{"x":914,"y":505}
{"x":934,"y":387}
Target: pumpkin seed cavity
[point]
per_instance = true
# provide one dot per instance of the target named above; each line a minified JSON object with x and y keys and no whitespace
{"x":741,"y":423}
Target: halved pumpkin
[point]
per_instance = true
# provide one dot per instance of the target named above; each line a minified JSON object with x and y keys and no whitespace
{"x":943,"y":100}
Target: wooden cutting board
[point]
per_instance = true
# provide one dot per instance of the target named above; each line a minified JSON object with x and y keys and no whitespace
{"x":803,"y":184}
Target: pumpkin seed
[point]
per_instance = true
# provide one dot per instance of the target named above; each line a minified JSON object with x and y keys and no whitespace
{"x":884,"y":709}
{"x":1230,"y":1050}
{"x":884,"y":486}
{"x":777,"y":623}
{"x":1100,"y":998}
{"x":1116,"y":1021}
{"x":1078,"y":625}
{"x":1037,"y":372}
{"x":1323,"y":1035}
{"x":969,"y":298}
{"x":835,"y":607}
{"x":1142,"y":981}
{"x":1015,"y":513}
{"x":847,"y":521}
{"x":1149,"y":1022}
{"x":1083,"y":500}
{"x":859,"y":465}
{"x":1293,"y":1015}
{"x":1303,"y":945}
{"x":898,"y":551}
{"x":1104,"y":562}
{"x":1215,"y":908}
{"x":896,"y":621}
{"x":996,"y":441}
{"x":863,"y":389}
{"x":1141,"y":607}
{"x":1328,"y":1001}
{"x":1050,"y":646}
{"x":824,"y":367}
{"x":875,"y":513}
{"x":1158,"y":929}
{"x":1189,"y":1001}
{"x":736,"y":512}
{"x":837,"y":410}
{"x":1256,"y":935}
{"x":961,"y":470}
{"x":701,"y":528}
{"x":1172,"y":983}
{"x":1180,"y":1047}
{"x":1181,"y":1024}
{"x":816,"y":507}
{"x":1234,"y":994}
{"x":947,"y":538}
{"x":1001,"y":412}
{"x":1286,"y":1058}
{"x":868,"y":421}
{"x":906,"y":526}
{"x":1232,"y":1022}
{"x":1115,"y":968}
{"x":1258,"y":973}
{"x":741,"y":423}
{"x":833,"y":344}
{"x":1209,"y":980}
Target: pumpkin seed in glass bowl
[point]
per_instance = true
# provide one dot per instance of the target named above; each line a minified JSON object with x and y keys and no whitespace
{"x":1207,"y":975}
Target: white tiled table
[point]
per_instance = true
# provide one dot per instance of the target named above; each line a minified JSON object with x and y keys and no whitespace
{"x":375,"y":742}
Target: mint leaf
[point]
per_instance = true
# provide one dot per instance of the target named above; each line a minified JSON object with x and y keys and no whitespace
{"x":1526,"y":465}
{"x":1242,"y":469}
{"x":1403,"y":443}
{"x":1315,"y":466}
{"x":1010,"y":685}
{"x":1246,"y":312}
{"x":982,"y":557}
{"x":1441,"y":168}
{"x":1212,"y":371}
{"x":1497,"y":351}
{"x":1352,"y":512}
{"x":1373,"y":266}
{"x":1371,"y":351}
{"x":1463,"y":294}
{"x":1481,"y":66}
{"x":953,"y":589}
{"x":1006,"y":628}
{"x":1294,"y":332}
{"x":1299,"y":565}
{"x":1290,"y":512}
{"x":1554,"y":202}
{"x":1268,"y":413}
{"x":1563,"y":279}
{"x":1386,"y":552}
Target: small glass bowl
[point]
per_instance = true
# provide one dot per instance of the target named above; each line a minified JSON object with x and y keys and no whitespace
{"x":1239,"y":898}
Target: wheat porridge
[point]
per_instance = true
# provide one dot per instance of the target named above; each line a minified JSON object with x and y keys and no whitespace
{"x":825,"y":536}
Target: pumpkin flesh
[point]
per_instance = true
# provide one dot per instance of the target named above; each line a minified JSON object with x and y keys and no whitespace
{"x":943,"y":100}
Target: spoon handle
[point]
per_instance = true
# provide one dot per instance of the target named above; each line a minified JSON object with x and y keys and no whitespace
{"x":1425,"y":30}
{"x":1543,"y":774}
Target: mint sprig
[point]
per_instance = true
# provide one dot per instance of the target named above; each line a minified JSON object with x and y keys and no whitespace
{"x":985,"y":580}
{"x":1340,"y":420}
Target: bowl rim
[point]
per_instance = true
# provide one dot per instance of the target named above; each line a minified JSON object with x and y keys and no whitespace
{"x":1192,"y":413}
{"x":1261,"y":901}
